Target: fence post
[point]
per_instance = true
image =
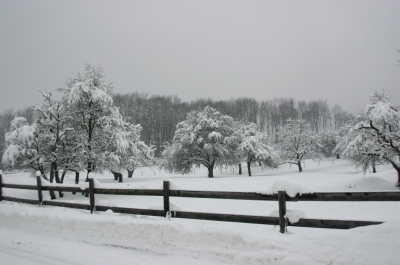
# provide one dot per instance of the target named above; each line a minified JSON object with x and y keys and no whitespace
{"x":282,"y":210}
{"x":39,"y":188}
{"x":166,"y":198}
{"x":1,"y":185}
{"x":91,"y":195}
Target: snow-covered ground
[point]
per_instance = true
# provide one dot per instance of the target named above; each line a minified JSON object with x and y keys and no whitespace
{"x":49,"y":235}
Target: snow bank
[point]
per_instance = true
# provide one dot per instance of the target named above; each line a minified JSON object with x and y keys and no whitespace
{"x":291,"y":188}
{"x":372,"y":183}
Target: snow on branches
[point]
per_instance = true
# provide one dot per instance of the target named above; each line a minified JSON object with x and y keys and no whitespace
{"x":375,"y":134}
{"x":23,"y":143}
{"x":82,"y":130}
{"x":253,"y":147}
{"x":204,"y":138}
{"x":296,"y":141}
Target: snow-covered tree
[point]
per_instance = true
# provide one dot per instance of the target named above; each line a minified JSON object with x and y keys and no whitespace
{"x":90,"y":103}
{"x":360,"y":150}
{"x":253,"y":147}
{"x":377,"y":133}
{"x":52,"y":120}
{"x":126,"y":151}
{"x":296,"y":141}
{"x":204,"y":138}
{"x":23,"y":143}
{"x":331,"y":141}
{"x":142,"y":155}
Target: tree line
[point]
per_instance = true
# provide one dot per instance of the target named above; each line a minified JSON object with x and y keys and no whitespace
{"x":210,"y":139}
{"x":91,"y":129}
{"x":159,"y":115}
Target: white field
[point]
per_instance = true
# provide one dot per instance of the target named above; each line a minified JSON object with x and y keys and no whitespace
{"x":47,"y":235}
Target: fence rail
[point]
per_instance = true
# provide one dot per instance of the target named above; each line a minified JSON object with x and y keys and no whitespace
{"x":166,"y":193}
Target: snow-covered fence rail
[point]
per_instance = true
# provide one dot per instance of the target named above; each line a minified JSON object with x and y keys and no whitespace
{"x":281,"y":197}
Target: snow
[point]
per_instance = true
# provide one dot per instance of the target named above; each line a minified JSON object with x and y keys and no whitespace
{"x":84,"y":185}
{"x":291,"y":188}
{"x":214,"y":136}
{"x":10,"y":154}
{"x":49,"y":235}
{"x":293,"y":215}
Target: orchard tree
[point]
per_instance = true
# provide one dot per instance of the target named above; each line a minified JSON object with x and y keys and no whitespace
{"x":52,"y":120}
{"x":142,"y":155}
{"x":296,"y":141}
{"x":377,"y":131}
{"x":361,"y":152}
{"x":253,"y":147}
{"x":329,"y":139}
{"x":204,"y":138}
{"x":90,"y":103}
{"x":126,"y":151}
{"x":23,"y":143}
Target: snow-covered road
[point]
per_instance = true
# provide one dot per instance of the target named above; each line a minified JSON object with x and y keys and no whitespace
{"x":54,"y":235}
{"x":27,"y":240}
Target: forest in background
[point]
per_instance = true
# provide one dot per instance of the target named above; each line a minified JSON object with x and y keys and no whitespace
{"x":159,"y":114}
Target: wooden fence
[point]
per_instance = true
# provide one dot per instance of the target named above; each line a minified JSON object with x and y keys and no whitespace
{"x":166,"y":193}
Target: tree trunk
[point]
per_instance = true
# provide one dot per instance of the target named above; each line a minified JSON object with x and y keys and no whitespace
{"x":398,"y":175}
{"x":373,"y":168}
{"x":57,"y":177}
{"x":52,"y":194}
{"x":211,"y":171}
{"x":62,"y":179}
{"x":249,"y":168}
{"x":76,"y":177}
{"x":117,"y":176}
{"x":63,"y":175}
{"x":395,"y":165}
{"x":398,"y":178}
{"x":337,"y":156}
{"x":89,"y":170}
{"x":41,"y":169}
{"x":240,"y":169}
{"x":299,"y":165}
{"x":52,"y":172}
{"x":56,"y":173}
{"x":130,"y":173}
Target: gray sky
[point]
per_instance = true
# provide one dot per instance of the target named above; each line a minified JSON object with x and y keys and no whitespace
{"x":336,"y":50}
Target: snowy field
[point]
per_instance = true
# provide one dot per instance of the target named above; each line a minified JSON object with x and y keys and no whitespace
{"x":54,"y":235}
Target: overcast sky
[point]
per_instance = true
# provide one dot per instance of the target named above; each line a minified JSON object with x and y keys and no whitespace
{"x":336,"y":50}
